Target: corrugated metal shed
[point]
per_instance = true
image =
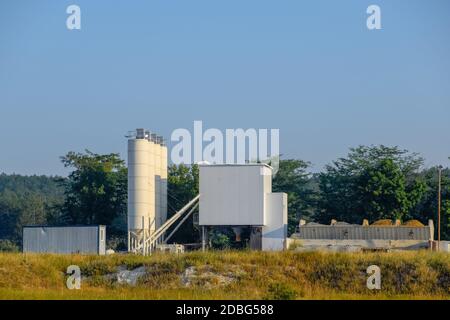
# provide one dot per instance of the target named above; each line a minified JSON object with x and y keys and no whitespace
{"x":65,"y":239}
{"x":356,"y":232}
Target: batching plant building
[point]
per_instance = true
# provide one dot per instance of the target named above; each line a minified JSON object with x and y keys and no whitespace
{"x":240,"y":196}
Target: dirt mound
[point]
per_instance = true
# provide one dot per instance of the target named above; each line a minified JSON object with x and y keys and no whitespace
{"x":413,"y":223}
{"x":383,"y":223}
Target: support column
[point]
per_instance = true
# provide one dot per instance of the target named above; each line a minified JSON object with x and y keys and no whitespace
{"x":129,"y":242}
{"x":143,"y":237}
{"x":203,"y":239}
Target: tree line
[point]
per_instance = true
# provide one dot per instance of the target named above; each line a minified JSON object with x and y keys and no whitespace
{"x":371,"y":182}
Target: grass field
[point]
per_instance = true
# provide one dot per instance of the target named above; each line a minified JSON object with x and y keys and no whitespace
{"x":230,"y":275}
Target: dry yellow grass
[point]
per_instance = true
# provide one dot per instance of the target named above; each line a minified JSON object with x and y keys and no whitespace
{"x":314,"y":275}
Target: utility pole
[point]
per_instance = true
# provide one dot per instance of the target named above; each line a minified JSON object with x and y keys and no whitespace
{"x":439,"y":206}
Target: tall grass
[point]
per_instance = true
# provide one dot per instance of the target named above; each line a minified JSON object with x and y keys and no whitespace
{"x":307,"y":275}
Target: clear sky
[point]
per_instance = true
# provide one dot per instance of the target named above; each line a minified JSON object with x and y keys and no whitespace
{"x":310,"y":68}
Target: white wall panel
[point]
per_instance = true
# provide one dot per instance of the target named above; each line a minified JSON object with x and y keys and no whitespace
{"x":233,"y":194}
{"x":274,"y":233}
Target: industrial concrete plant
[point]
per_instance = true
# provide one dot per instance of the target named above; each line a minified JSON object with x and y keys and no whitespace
{"x":237,"y":196}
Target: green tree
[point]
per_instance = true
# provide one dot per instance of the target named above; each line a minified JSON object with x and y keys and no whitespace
{"x":445,"y":231}
{"x":294,"y":179}
{"x":384,"y":192}
{"x":10,"y":208}
{"x":96,"y":190}
{"x":182,"y":187}
{"x":373,"y":182}
{"x":427,"y":208}
{"x":26,"y":200}
{"x":221,"y":240}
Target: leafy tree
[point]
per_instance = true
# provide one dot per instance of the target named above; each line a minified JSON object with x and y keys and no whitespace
{"x":445,"y":228}
{"x":182,"y":187}
{"x":96,"y":190}
{"x":19,"y":184}
{"x":10,"y":208}
{"x":26,"y":200}
{"x":294,"y":179}
{"x":221,"y":240}
{"x":8,"y":246}
{"x":427,"y":208}
{"x":384,"y":192}
{"x":373,"y":182}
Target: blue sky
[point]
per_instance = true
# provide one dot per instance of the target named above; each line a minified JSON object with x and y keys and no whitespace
{"x":310,"y":68}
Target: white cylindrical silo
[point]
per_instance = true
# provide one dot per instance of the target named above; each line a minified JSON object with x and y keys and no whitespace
{"x":157,"y":162}
{"x":164,"y":177}
{"x":151,"y":195}
{"x":147,"y":189}
{"x":138,"y":186}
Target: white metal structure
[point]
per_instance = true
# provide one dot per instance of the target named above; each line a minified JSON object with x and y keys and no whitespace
{"x":148,"y":244}
{"x":274,"y":233}
{"x":147,"y":187}
{"x":234,"y":195}
{"x":241,"y":196}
